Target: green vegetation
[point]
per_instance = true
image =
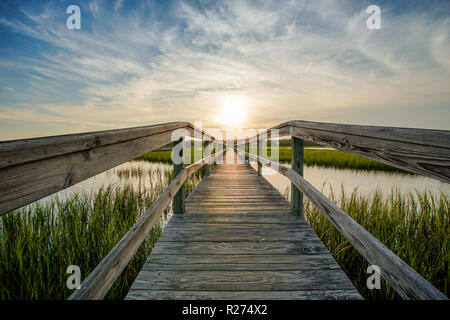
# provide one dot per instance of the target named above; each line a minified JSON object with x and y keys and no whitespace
{"x":312,"y":157}
{"x":417,"y":229}
{"x":39,"y":242}
{"x":157,"y":156}
{"x":339,"y":160}
{"x":165,"y":156}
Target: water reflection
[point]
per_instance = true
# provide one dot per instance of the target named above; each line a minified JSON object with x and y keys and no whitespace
{"x":367,"y":182}
{"x":146,"y":175}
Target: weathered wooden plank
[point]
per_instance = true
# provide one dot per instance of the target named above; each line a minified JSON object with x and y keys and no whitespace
{"x":230,"y":199}
{"x":243,"y":280}
{"x":263,"y":206}
{"x":253,"y":234}
{"x":233,"y":248}
{"x":263,"y":218}
{"x":243,"y":203}
{"x":236,"y":195}
{"x":239,"y":262}
{"x":254,"y":188}
{"x":233,"y":201}
{"x":425,"y":137}
{"x":238,"y":227}
{"x":236,"y":190}
{"x":243,"y":295}
{"x":239,"y":207}
{"x":236,"y":202}
{"x":15,"y":152}
{"x":238,"y":267}
{"x":253,"y":212}
{"x":425,"y":152}
{"x":323,"y":261}
{"x":226,"y":210}
{"x":253,"y":204}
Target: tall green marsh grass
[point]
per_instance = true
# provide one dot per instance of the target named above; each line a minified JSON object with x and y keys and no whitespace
{"x":39,"y":242}
{"x":312,"y":157}
{"x":416,"y":227}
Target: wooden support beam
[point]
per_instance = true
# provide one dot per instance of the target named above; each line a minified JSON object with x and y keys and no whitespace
{"x":178,"y":199}
{"x":259,"y":153}
{"x":297,"y":166}
{"x":207,"y":166}
{"x":247,"y":151}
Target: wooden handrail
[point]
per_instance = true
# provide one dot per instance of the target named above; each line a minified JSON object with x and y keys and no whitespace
{"x":421,"y":151}
{"x":405,"y":281}
{"x":31,"y":169}
{"x":100,"y":280}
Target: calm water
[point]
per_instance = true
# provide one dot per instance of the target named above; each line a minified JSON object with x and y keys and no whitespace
{"x":153,"y":174}
{"x":367,"y":182}
{"x":112,"y":177}
{"x":325,"y":179}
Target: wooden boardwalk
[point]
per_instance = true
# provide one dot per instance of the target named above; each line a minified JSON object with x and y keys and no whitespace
{"x":238,"y":240}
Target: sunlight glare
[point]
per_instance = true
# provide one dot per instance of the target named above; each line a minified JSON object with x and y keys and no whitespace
{"x":233,"y":110}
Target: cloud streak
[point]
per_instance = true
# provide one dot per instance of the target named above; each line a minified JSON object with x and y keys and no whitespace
{"x":134,"y":65}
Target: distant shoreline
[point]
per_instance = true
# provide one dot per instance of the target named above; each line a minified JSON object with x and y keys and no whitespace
{"x":313,"y":156}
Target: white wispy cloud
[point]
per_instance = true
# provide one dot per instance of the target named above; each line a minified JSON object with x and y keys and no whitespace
{"x":291,"y":59}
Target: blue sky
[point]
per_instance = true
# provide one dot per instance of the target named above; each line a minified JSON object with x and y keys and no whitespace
{"x":143,"y":62}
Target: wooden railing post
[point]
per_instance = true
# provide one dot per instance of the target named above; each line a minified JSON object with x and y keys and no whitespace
{"x":215,"y":152}
{"x":207,"y":169}
{"x":178,"y":199}
{"x":297,"y":165}
{"x":259,"y":154}
{"x":247,"y":147}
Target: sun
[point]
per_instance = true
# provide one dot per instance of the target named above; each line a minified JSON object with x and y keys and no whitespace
{"x":233,"y":110}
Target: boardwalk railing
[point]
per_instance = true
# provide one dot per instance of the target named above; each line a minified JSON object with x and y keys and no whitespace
{"x":31,"y":169}
{"x":100,"y":280}
{"x":425,"y":152}
{"x":422,"y":151}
